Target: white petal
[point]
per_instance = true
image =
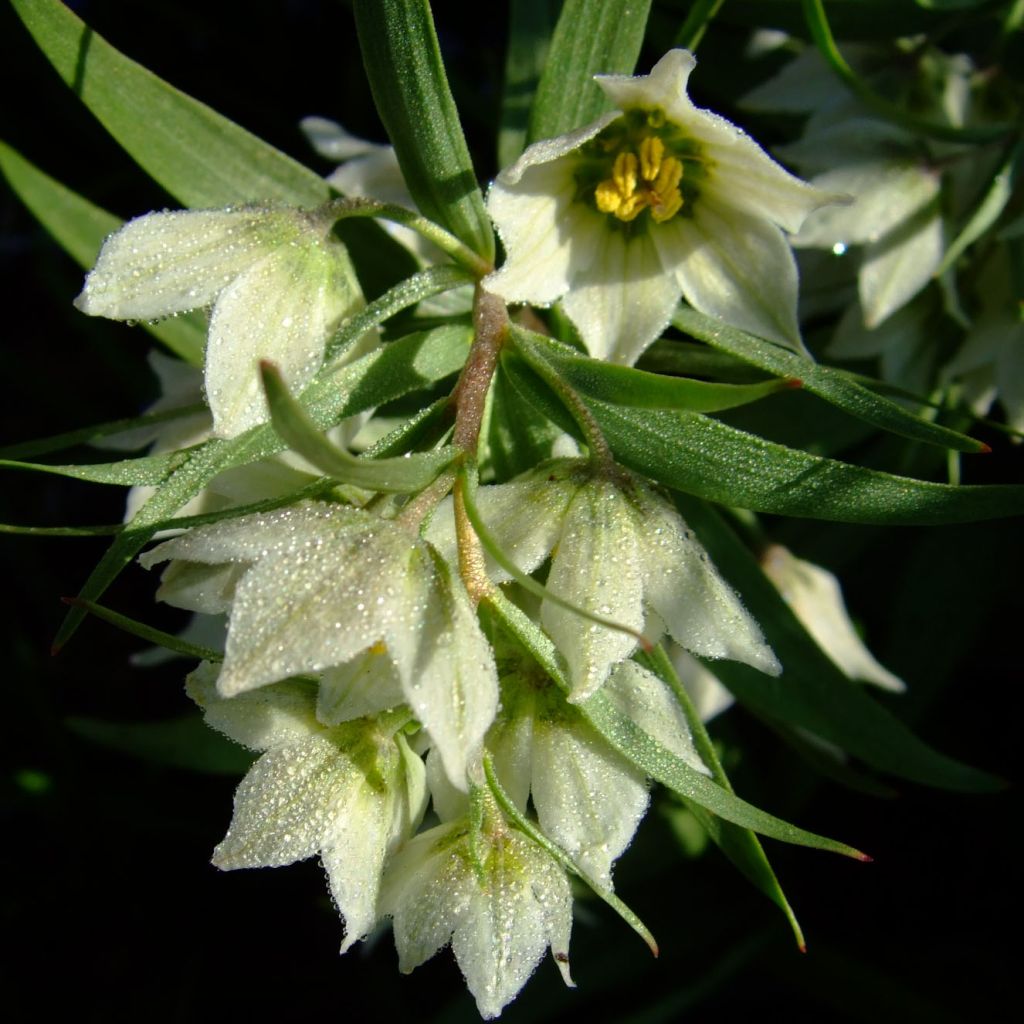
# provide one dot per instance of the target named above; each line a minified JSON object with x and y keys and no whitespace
{"x":548,"y":238}
{"x":734,"y":267}
{"x":166,"y":263}
{"x":524,"y":908}
{"x":448,"y":802}
{"x":664,"y":87}
{"x":596,"y":567}
{"x":589,"y":800}
{"x":698,"y":608}
{"x":625,"y":298}
{"x":708,"y":695}
{"x":817,"y":601}
{"x":643,"y":698}
{"x":284,"y":805}
{"x":898,"y":266}
{"x":550,"y":150}
{"x":333,"y":141}
{"x":272,"y":716}
{"x":452,"y":684}
{"x":364,"y":686}
{"x":283,"y":308}
{"x":209,"y":589}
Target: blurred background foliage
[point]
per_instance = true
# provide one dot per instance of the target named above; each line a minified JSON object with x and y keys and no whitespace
{"x":110,"y":898}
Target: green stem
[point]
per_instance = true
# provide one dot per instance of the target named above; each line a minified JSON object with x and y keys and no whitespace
{"x":696,"y":24}
{"x":338,"y":209}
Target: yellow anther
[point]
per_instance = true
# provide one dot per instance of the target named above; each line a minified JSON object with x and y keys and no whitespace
{"x":649,"y":179}
{"x":652,"y":149}
{"x":378,"y":648}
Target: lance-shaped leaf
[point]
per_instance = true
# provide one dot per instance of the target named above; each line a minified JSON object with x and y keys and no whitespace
{"x":698,"y":455}
{"x":403,"y":64}
{"x":401,"y":475}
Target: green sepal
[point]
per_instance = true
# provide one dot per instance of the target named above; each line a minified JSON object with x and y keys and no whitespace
{"x":410,"y":89}
{"x":402,"y":475}
{"x":592,"y":37}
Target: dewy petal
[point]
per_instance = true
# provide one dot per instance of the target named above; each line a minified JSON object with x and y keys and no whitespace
{"x":698,"y":608}
{"x":283,"y":308}
{"x":709,"y":696}
{"x":626,"y":297}
{"x":596,"y":567}
{"x":664,"y":87}
{"x":284,"y":804}
{"x":452,"y":685}
{"x":273,"y":716}
{"x":735,"y":267}
{"x":169,"y":262}
{"x":364,"y":686}
{"x":499,"y":926}
{"x":545,"y":234}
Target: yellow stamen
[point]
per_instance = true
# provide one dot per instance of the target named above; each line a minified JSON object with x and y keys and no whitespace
{"x":641,"y":180}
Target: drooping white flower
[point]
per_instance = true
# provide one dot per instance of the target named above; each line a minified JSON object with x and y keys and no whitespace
{"x":279,"y":283}
{"x":497,"y":897}
{"x":314,"y":587}
{"x":657,"y":199}
{"x":815,"y":596}
{"x":620,"y":551}
{"x":350,"y":794}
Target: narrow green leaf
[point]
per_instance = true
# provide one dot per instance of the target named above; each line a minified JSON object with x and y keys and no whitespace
{"x":812,"y":692}
{"x":157,"y":637}
{"x":200,"y":157}
{"x":638,"y":389}
{"x":378,"y":377}
{"x":95,"y":434}
{"x":740,"y":845}
{"x":80,"y":227}
{"x":989,"y":209}
{"x":61,"y":531}
{"x":402,"y":475}
{"x":646,"y":753}
{"x":593,"y":37}
{"x":698,"y":455}
{"x":834,"y":386}
{"x":410,"y":90}
{"x":148,"y":470}
{"x":186,"y":742}
{"x":531,"y":23}
{"x":692,"y":30}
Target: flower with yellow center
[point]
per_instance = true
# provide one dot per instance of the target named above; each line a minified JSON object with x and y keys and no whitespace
{"x":654,"y":200}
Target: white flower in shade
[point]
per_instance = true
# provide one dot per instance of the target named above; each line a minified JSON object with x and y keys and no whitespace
{"x":621,"y":551}
{"x":817,"y":601}
{"x":314,"y":587}
{"x":497,"y":897}
{"x":351,"y":794}
{"x":279,"y":283}
{"x":656,"y":199}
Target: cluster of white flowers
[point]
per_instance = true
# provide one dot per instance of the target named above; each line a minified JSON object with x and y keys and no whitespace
{"x":355,"y":659}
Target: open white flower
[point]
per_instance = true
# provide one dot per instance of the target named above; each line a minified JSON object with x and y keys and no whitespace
{"x":656,"y":199}
{"x":313,"y":587}
{"x":279,"y":282}
{"x":496,"y":896}
{"x":351,"y":794}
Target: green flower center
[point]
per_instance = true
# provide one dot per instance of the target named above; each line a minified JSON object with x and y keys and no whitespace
{"x":641,"y":163}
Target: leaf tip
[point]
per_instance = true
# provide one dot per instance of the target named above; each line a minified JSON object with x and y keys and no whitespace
{"x":793,"y":382}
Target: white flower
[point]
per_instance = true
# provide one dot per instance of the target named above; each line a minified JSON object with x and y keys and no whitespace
{"x":620,"y":551}
{"x":655,"y":199}
{"x":351,"y":794}
{"x":498,"y":898}
{"x":314,"y":587}
{"x":279,"y":282}
{"x":817,"y":601}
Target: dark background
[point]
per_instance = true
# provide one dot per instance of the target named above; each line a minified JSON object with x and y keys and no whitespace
{"x":109,"y":897}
